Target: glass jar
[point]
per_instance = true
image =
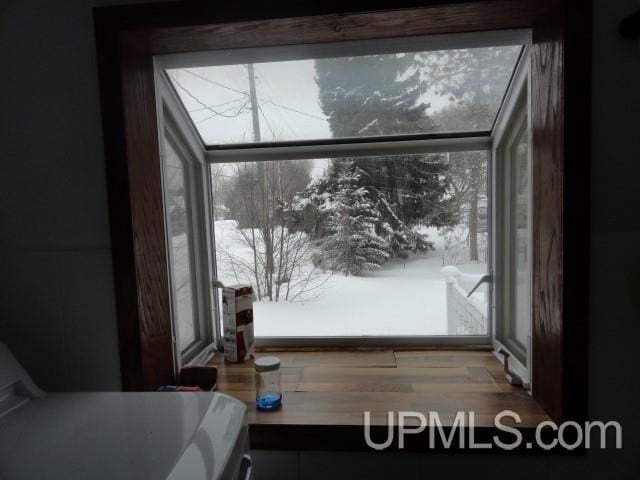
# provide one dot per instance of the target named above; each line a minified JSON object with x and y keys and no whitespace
{"x":268,"y":388}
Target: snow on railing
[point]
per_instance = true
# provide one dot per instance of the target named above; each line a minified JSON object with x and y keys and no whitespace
{"x":465,"y":315}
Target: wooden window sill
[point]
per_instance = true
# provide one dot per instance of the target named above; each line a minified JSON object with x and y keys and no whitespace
{"x":326,"y":392}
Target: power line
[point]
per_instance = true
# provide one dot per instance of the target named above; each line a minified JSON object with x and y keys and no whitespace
{"x":291,"y":109}
{"x":295,"y":110}
{"x":215,"y":106}
{"x":206,"y":107}
{"x":240,"y":110}
{"x":206,"y":79}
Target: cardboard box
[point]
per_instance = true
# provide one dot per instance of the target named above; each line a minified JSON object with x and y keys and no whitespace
{"x":237,"y":322}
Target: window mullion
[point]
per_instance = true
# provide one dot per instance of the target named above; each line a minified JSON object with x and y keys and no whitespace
{"x":357,"y":148}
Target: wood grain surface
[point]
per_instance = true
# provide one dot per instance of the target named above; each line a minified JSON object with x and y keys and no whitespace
{"x":153,"y":319}
{"x":323,"y":392}
{"x":428,"y":20}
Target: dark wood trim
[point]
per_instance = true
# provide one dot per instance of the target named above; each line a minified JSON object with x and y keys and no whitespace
{"x":135,"y":206}
{"x":561,"y":155}
{"x":437,"y":19}
{"x":560,"y":56}
{"x":147,"y":210}
{"x":548,"y":134}
{"x":119,"y":206}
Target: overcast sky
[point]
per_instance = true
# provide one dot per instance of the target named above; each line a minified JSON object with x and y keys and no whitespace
{"x":217,"y":99}
{"x":287,"y":95}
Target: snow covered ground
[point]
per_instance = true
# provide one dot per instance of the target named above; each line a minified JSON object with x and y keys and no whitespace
{"x":181,"y":281}
{"x":400,"y":299}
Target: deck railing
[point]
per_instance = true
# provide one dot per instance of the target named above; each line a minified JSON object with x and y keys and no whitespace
{"x":466,"y":315}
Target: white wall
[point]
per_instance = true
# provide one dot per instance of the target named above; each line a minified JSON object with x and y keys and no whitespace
{"x":56,"y":296}
{"x":57,"y":310}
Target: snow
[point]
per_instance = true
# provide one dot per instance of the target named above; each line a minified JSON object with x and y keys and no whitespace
{"x":403,"y":298}
{"x":181,"y":279}
{"x":397,"y":300}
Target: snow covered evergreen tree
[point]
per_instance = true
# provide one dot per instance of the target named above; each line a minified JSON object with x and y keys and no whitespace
{"x":371,"y":95}
{"x":381,"y":95}
{"x":377,"y":95}
{"x":351,"y":243}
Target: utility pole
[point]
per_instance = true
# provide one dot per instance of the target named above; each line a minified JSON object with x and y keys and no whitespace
{"x":263,"y":187}
{"x":253,"y":98}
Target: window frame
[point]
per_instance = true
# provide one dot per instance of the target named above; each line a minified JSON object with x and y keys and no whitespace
{"x":175,"y":130}
{"x":127,"y":39}
{"x":187,"y":181}
{"x":517,"y":108}
{"x":436,"y":142}
{"x":478,"y":341}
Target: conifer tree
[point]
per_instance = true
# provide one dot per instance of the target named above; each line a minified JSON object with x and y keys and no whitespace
{"x":351,"y":243}
{"x":381,"y":95}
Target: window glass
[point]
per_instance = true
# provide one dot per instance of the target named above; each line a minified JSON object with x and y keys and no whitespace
{"x":375,"y":246}
{"x":514,"y":208}
{"x":521,"y":181}
{"x":351,"y":96}
{"x":179,"y":233}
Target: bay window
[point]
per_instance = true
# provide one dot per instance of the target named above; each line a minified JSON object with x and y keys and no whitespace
{"x":355,"y":187}
{"x":406,"y":177}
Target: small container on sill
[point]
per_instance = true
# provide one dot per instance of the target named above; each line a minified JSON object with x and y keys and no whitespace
{"x":268,"y":387}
